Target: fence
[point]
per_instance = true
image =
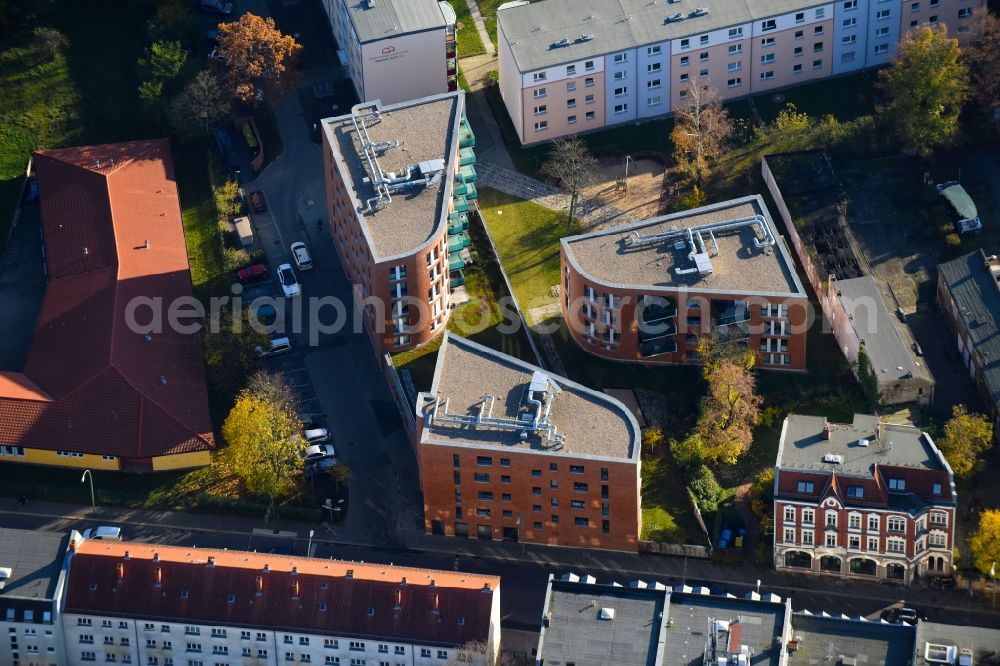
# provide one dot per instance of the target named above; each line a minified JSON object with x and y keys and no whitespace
{"x":405,"y":403}
{"x":675,"y":550}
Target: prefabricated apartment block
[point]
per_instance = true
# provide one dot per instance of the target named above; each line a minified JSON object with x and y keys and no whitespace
{"x":399,"y":179}
{"x":508,"y":451}
{"x":571,"y":66}
{"x":649,"y":291}
{"x":396,"y":50}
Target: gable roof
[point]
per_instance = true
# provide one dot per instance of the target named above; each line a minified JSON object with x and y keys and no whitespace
{"x":281,"y":592}
{"x":113,"y":234}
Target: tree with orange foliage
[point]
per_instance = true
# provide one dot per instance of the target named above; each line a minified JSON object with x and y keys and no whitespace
{"x":259,"y":61}
{"x":980,"y":56}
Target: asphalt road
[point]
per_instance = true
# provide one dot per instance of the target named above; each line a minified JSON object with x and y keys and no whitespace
{"x":523,"y":580}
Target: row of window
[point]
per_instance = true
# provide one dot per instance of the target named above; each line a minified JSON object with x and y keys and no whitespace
{"x":329,"y":660}
{"x":893,"y":523}
{"x":892,"y":544}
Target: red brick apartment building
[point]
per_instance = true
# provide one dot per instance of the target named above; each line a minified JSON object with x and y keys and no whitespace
{"x":508,"y":451}
{"x":863,"y":499}
{"x":93,"y":392}
{"x":648,"y":291}
{"x":399,"y":179}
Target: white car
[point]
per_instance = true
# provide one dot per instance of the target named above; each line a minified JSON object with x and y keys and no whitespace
{"x":318,"y":452}
{"x":316,"y":435}
{"x":289,"y":283}
{"x":301,"y":255}
{"x":275,"y":347}
{"x":103,"y":533}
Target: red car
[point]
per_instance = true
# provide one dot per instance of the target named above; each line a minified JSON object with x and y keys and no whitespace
{"x":253,"y":273}
{"x":257,"y":202}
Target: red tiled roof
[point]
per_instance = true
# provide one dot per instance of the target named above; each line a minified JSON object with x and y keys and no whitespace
{"x":90,"y":384}
{"x":296,"y":602}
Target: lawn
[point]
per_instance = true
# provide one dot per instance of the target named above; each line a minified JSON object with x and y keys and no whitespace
{"x":844,"y":97}
{"x":488,"y":9}
{"x":469,"y":42}
{"x":477,"y":319}
{"x":666,"y":510}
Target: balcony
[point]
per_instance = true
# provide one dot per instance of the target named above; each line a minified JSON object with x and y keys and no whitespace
{"x":470,"y":191}
{"x":664,"y":345}
{"x":458,"y":222}
{"x":467,"y":173}
{"x":461,"y":204}
{"x":455,"y":262}
{"x":458,"y":241}
{"x":466,"y":156}
{"x":456,"y":278}
{"x":658,"y":311}
{"x":466,"y":139}
{"x":731,"y":315}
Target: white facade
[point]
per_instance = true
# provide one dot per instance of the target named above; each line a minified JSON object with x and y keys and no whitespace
{"x":620,"y":87}
{"x":883,"y":31}
{"x":31,"y":643}
{"x":850,"y":32}
{"x":652,"y":86}
{"x":100,"y":639}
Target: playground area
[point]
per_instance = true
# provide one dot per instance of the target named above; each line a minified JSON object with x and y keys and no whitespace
{"x":640,"y":196}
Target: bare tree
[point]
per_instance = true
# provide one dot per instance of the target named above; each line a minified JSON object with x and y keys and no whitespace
{"x":701,"y":128}
{"x":571,"y":163}
{"x":202,"y":104}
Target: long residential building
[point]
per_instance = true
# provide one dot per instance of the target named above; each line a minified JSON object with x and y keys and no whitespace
{"x":507,"y":451}
{"x":969,"y":295}
{"x":864,"y":499}
{"x":396,"y":50}
{"x":648,"y":292}
{"x":148,"y":604}
{"x":110,"y":382}
{"x":399,"y":181}
{"x":572,"y":66}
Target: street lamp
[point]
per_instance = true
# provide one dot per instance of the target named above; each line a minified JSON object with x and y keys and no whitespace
{"x":628,"y":158}
{"x":88,"y":476}
{"x":758,"y":586}
{"x":309,"y":546}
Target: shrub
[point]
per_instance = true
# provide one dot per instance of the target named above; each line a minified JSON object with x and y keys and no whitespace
{"x":491,"y":78}
{"x":706,"y":490}
{"x":695,"y":198}
{"x":234,"y":260}
{"x":953,"y":240}
{"x":652,"y":439}
{"x":49,"y":42}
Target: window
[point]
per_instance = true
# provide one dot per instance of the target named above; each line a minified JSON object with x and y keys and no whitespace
{"x":703,"y":40}
{"x":914,"y":7}
{"x":796,"y":69}
{"x":789,"y":535}
{"x":588,"y":65}
{"x":854,"y":543}
{"x":735,"y":33}
{"x":897,"y":484}
{"x":536,"y":473}
{"x":799,"y":34}
{"x":767,"y":41}
{"x":808,"y":515}
{"x":485,"y":496}
{"x":936,"y":489}
{"x":541,"y":109}
{"x":538,"y":76}
{"x":848,"y":39}
{"x":554,"y":503}
{"x":621,"y":57}
{"x":851,"y":4}
{"x":850,"y":22}
{"x":896,"y":524}
{"x":684,"y":78}
{"x":735,"y":48}
{"x":831,"y":540}
{"x":621,"y":90}
{"x":818,"y":47}
{"x":456,"y":461}
{"x":805,"y":486}
{"x":577,"y":504}
{"x":685,"y":44}
{"x":481,"y":477}
{"x":807,"y":538}
{"x":539,"y":93}
{"x":965,"y":12}
{"x":820,"y":13}
{"x":882,"y":14}
{"x":358,"y":646}
{"x":536,"y":525}
{"x":769,"y":24}
{"x":685,"y":61}
{"x":588,"y":82}
{"x":654,"y":100}
{"x":589,"y":115}
{"x":800,"y":17}
{"x":653,"y":83}
{"x":831,"y":519}
{"x":894,"y":545}
{"x":581,"y":522}
{"x":938,"y":518}
{"x":703,"y":57}
{"x":882,"y":32}
{"x":620,"y":76}
{"x":571,"y":86}
{"x":589,"y":99}
{"x":484,"y":461}
{"x":855,"y":491}
{"x":934,"y":19}
{"x":653,"y":50}
{"x":873,"y":523}
{"x":767,"y":59}
{"x":937,"y":539}
{"x":580,"y":487}
{"x":604,"y":474}
{"x":735,"y":66}
{"x":769,"y":74}
{"x":505,"y":478}
{"x":621,"y":108}
{"x":483,"y":513}
{"x":789,"y":514}
{"x":555,"y":519}
{"x":653,"y":67}
{"x":817,"y":31}
{"x":536,"y":490}
{"x":576,"y":469}
{"x":881,"y":48}
{"x":854,"y":522}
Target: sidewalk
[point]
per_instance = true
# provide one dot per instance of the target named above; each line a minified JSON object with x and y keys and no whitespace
{"x":477,"y":18}
{"x":621,"y":567}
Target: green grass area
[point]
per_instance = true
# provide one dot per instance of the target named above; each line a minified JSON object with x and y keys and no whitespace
{"x":666,"y":510}
{"x":844,"y":97}
{"x":469,"y":42}
{"x":477,"y":319}
{"x":527,"y":237}
{"x":463,"y":83}
{"x":488,"y":9}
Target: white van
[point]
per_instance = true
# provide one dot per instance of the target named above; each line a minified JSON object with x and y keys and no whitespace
{"x":964,"y":208}
{"x":277,"y":346}
{"x":103,"y":533}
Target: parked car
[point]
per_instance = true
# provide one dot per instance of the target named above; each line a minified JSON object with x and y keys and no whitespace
{"x":257,"y":202}
{"x":253,"y":273}
{"x":289,"y":283}
{"x":275,"y":347}
{"x":316,"y":435}
{"x":901,"y":615}
{"x":317,"y":452}
{"x":216,"y":56}
{"x":216,"y":6}
{"x":963,"y":208}
{"x":103,"y":533}
{"x":301,"y":255}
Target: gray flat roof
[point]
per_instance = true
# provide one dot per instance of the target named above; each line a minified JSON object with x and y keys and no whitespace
{"x":827,"y":640}
{"x":427,"y":129}
{"x":803,"y":445}
{"x":738,"y":267}
{"x":533,"y":29}
{"x":383,"y":19}
{"x":754,"y":624}
{"x":891,"y":358}
{"x":984,"y":643}
{"x":594,"y":424}
{"x":977,"y":299}
{"x":576,"y":634}
{"x":35,"y":560}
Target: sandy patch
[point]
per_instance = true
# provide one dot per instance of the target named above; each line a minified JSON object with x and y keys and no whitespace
{"x":645,"y":186}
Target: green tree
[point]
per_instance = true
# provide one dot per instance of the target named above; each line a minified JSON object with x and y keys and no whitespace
{"x":706,"y":489}
{"x":573,"y":166}
{"x":966,"y":437}
{"x":985,"y":543}
{"x":163,"y":62}
{"x":261,"y":433}
{"x":926,"y":86}
{"x":761,"y":497}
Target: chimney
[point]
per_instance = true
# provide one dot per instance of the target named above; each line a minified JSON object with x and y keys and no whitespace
{"x":158,"y":575}
{"x":156,"y":557}
{"x":398,"y":599}
{"x":295,"y":589}
{"x":434,"y":602}
{"x":827,"y":429}
{"x":295,"y":571}
{"x":267,"y":567}
{"x":486,"y":587}
{"x":120,"y":568}
{"x":350,"y":573}
{"x":126,"y":558}
{"x":211,"y":561}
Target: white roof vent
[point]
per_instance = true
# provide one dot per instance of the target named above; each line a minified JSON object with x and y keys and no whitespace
{"x":700,"y":11}
{"x":606,"y":614}
{"x":835,"y":458}
{"x":940,"y":654}
{"x":560,"y":42}
{"x":673,"y":18}
{"x":586,"y":37}
{"x":863,"y":442}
